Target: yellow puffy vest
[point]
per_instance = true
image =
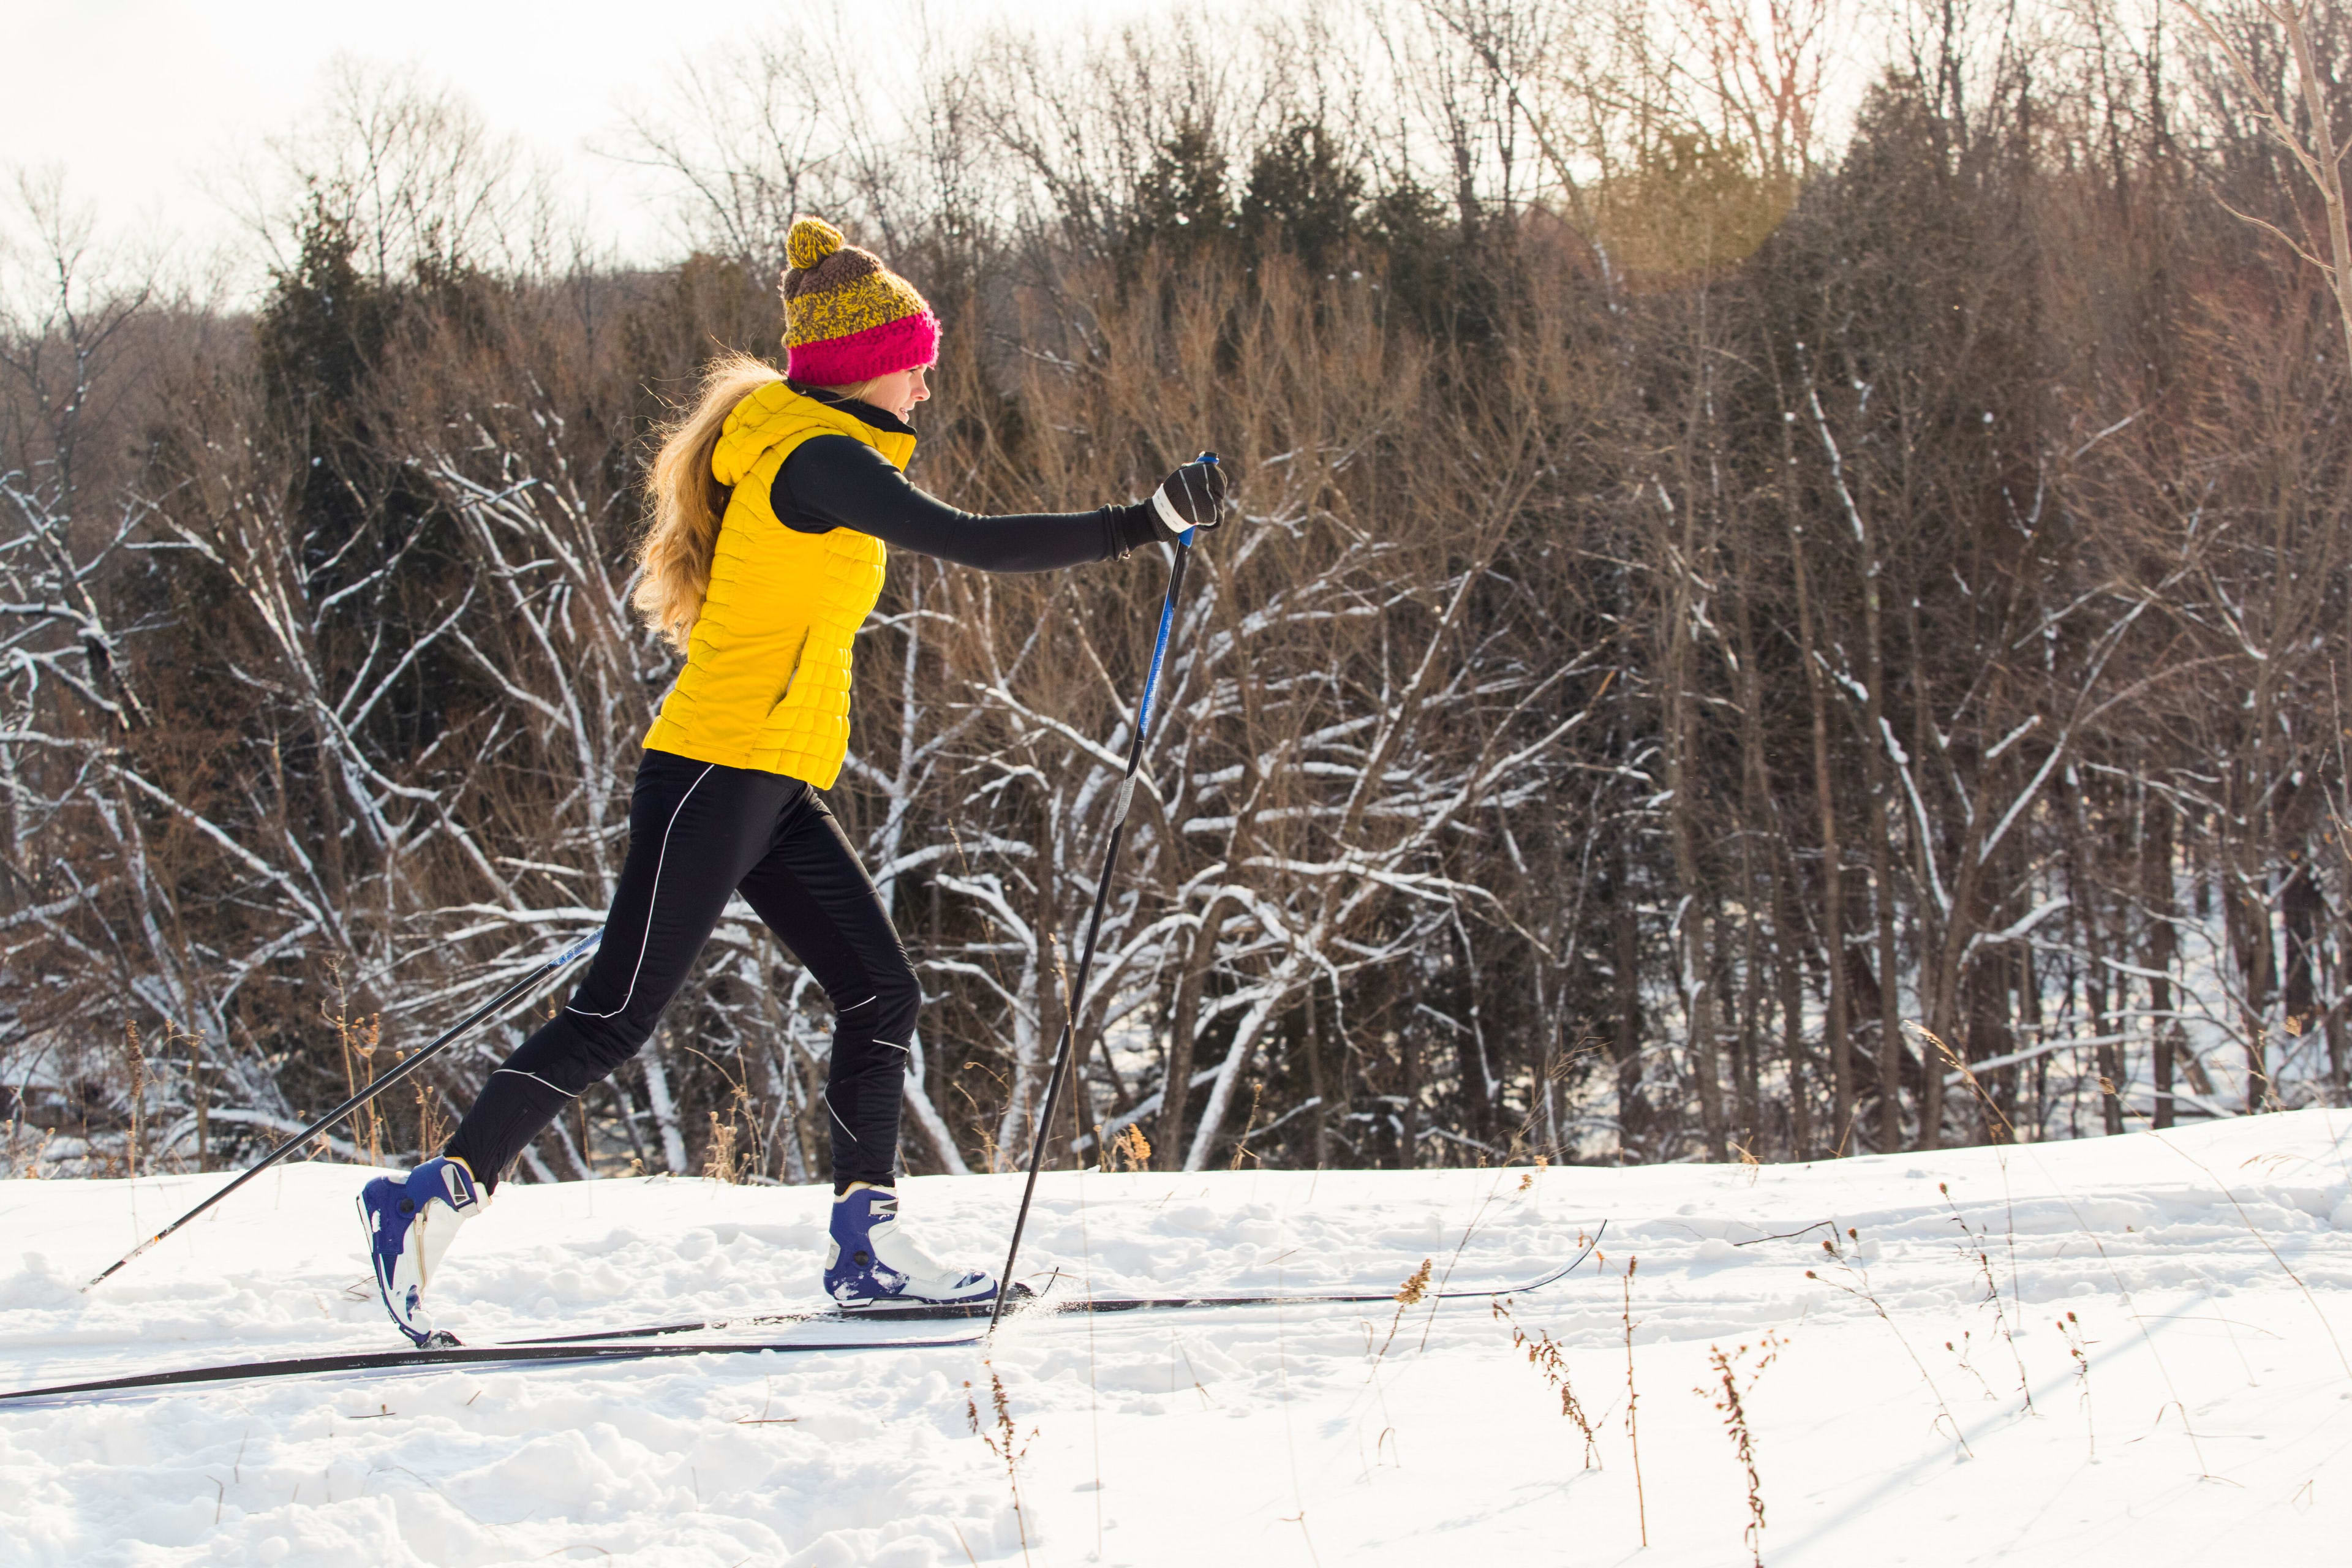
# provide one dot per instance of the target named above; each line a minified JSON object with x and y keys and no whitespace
{"x":766,"y":683}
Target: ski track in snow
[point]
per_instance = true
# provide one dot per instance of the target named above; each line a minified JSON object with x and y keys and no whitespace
{"x":2218,"y":1425}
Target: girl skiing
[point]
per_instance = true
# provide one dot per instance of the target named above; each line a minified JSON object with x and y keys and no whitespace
{"x":772,"y":503}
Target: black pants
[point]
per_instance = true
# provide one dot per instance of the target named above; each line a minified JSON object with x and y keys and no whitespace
{"x":699,"y":832}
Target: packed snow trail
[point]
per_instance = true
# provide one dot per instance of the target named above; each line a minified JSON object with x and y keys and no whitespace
{"x":2208,"y":1419}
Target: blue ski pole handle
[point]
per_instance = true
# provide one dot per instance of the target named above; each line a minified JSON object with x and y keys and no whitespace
{"x":1151,"y":678}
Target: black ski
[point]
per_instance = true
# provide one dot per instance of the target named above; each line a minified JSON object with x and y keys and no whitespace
{"x":1021,"y":1297}
{"x":463,"y":1355}
{"x":1032,"y":1304}
{"x":629,"y":1345}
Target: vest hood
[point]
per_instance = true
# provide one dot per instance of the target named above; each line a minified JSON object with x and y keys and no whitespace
{"x":779,"y":412}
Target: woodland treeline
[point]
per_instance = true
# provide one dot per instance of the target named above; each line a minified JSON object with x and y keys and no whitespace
{"x":1746,"y":639}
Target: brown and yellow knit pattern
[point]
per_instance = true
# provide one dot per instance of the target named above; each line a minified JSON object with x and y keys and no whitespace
{"x":847,"y":318}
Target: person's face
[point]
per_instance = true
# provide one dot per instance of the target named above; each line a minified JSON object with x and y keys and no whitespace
{"x":898,"y":391}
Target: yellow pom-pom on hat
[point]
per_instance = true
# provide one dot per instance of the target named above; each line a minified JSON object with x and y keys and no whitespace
{"x":810,"y":241}
{"x":847,"y":318}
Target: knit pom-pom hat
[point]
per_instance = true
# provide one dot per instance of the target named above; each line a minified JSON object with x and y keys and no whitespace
{"x":847,"y":318}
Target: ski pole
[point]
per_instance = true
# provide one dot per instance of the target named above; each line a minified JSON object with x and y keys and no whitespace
{"x":1094,"y":922}
{"x":375,"y":1087}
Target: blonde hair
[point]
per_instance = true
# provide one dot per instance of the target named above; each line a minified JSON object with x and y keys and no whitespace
{"x":686,"y":500}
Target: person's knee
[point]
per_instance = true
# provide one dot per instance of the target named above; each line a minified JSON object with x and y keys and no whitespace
{"x":900,"y":1006}
{"x":897,"y":1003}
{"x":571,"y":1052}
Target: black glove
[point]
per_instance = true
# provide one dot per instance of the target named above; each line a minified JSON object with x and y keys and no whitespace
{"x":1192,"y":497}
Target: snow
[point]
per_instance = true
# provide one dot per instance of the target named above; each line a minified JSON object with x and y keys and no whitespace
{"x":2209,"y":1271}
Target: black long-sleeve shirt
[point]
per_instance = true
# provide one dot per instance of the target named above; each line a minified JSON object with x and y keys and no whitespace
{"x":838,"y":481}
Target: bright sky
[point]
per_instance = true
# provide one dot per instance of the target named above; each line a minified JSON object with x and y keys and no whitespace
{"x":148,"y":105}
{"x":151,"y":108}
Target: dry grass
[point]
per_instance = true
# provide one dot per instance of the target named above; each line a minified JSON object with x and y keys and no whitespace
{"x":1856,"y":1284}
{"x":356,"y":1038}
{"x":1975,"y":1244}
{"x":1549,"y":1358}
{"x":1730,"y":1399}
{"x":720,"y":1162}
{"x":432,"y":1125}
{"x":2078,"y":1346}
{"x":134,"y":1068}
{"x":1633,"y":1405}
{"x":1004,"y":1442}
{"x":25,"y":1151}
{"x":1992,"y":1111}
{"x":2247,"y":1220}
{"x":1249,"y":1126}
{"x":1414,"y":1289}
{"x":1126,"y":1150}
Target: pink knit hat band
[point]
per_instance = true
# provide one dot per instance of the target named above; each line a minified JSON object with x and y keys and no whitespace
{"x":902,"y":344}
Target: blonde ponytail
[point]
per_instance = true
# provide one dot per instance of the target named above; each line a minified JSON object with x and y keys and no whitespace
{"x":685,"y":502}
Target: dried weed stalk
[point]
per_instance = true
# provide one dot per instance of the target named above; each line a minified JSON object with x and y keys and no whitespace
{"x":722,"y":1164}
{"x":1856,"y":1284}
{"x":24,"y":1157}
{"x":1729,"y":1398}
{"x":357,"y":1038}
{"x":1413,"y":1291}
{"x":1993,"y":1112}
{"x":1004,"y":1442}
{"x":1749,"y":1165}
{"x":1963,"y":1353}
{"x":1549,"y":1358}
{"x":134,"y":1068}
{"x":2251,"y":1229}
{"x":200,"y":1099}
{"x":2078,"y":1346}
{"x":432,"y":1127}
{"x":1127,"y":1150}
{"x":1976,"y":1243}
{"x":1437,"y":1297}
{"x":1633,"y":1403}
{"x":1249,"y":1126}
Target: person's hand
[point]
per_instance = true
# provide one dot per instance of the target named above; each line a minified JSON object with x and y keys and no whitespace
{"x":1192,"y":497}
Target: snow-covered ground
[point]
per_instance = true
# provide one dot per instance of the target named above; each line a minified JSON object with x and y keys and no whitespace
{"x":2208,"y":1421}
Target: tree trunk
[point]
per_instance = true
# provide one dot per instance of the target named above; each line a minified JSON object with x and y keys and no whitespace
{"x":1318,"y":1082}
{"x":1697,"y":952}
{"x":1625,"y":1047}
{"x":2156,"y":899}
{"x":1882,"y":863}
{"x":664,"y":1109}
{"x":1758,"y":848}
{"x":1836,"y":1046}
{"x":2302,"y":910}
{"x":1890,"y":1011}
{"x":1787,"y":966}
{"x":2099,"y":990}
{"x":1694,"y":944}
{"x":1178,"y":1087}
{"x":2246,"y":920}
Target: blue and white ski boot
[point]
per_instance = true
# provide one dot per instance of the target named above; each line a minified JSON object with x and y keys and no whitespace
{"x":410,"y":1222}
{"x":872,"y":1263}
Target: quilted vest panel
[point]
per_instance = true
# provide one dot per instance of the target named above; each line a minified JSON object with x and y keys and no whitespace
{"x":766,"y":683}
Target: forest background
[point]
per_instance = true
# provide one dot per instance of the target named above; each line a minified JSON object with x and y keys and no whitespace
{"x":1745,"y":640}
